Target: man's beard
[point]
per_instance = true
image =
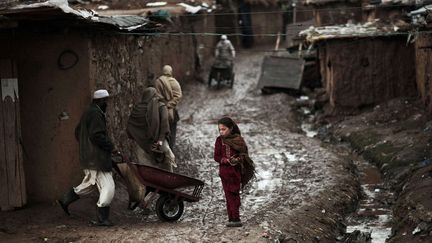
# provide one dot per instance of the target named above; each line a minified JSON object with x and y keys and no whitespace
{"x":103,"y":106}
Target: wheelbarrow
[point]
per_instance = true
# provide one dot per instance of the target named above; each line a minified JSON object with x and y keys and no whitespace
{"x":173,"y":189}
{"x":221,"y":73}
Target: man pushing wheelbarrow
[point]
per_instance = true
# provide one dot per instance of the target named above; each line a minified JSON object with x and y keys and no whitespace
{"x":149,"y":127}
{"x":146,"y":182}
{"x":222,"y":68}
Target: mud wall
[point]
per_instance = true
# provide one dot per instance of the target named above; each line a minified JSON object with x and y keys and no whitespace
{"x":303,"y":13}
{"x":7,"y":3}
{"x":337,"y":13}
{"x":204,"y":44}
{"x":53,"y":91}
{"x":225,"y":22}
{"x":266,"y":23}
{"x":265,"y":20}
{"x":126,"y":64}
{"x":322,"y":65}
{"x":387,"y":15}
{"x":361,"y":72}
{"x":57,"y":74}
{"x":423,"y":56}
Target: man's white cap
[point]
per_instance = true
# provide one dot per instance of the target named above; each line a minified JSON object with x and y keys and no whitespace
{"x":101,"y":93}
{"x":224,"y":37}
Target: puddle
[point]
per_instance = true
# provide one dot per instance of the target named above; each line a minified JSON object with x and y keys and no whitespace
{"x":374,"y":213}
{"x":291,"y":157}
{"x":307,"y":129}
{"x":296,"y":180}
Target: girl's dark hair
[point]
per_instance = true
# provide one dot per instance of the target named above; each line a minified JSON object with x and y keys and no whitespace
{"x":228,"y":122}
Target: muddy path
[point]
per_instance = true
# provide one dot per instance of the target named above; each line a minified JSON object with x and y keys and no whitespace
{"x":300,"y":190}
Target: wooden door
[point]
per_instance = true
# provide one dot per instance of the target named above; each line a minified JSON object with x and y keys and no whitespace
{"x":12,"y":181}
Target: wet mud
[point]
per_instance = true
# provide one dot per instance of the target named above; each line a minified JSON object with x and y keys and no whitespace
{"x":302,"y":190}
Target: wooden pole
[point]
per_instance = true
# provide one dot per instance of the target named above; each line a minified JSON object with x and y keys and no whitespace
{"x":277,"y":41}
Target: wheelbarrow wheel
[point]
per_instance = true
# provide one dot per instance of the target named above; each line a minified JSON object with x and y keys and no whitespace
{"x":232,"y":81}
{"x":168,"y":208}
{"x":210,"y":80}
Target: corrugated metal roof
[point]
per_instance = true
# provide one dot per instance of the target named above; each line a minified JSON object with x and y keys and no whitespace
{"x":324,"y":2}
{"x":123,"y":22}
{"x":123,"y":19}
{"x":369,"y":29}
{"x":135,"y":4}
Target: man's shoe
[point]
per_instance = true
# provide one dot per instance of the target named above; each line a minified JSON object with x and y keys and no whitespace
{"x":67,"y":199}
{"x":103,"y":217}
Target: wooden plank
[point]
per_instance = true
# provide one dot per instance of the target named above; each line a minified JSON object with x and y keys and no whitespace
{"x":281,"y":72}
{"x":4,"y":199}
{"x":13,"y":155}
{"x":4,"y":196}
{"x":10,"y":148}
{"x":20,"y":158}
{"x":20,"y":177}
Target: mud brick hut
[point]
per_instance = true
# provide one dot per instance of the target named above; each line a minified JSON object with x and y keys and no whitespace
{"x":363,"y":65}
{"x":422,"y":31}
{"x":52,"y":57}
{"x":388,"y":11}
{"x":336,"y":12}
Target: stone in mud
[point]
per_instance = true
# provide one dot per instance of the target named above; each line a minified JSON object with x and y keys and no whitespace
{"x":357,"y":236}
{"x":422,"y":228}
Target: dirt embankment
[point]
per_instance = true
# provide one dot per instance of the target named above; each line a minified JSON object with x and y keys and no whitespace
{"x":396,"y":137}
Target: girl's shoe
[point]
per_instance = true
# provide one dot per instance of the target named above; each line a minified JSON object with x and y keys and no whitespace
{"x":234,"y":224}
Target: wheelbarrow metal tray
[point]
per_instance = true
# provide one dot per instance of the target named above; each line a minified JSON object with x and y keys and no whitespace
{"x":168,"y":181}
{"x":225,"y":71}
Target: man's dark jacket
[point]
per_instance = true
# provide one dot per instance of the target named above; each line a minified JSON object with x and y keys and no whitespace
{"x":95,"y":146}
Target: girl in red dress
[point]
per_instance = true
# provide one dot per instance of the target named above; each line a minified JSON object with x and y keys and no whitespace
{"x":236,"y":168}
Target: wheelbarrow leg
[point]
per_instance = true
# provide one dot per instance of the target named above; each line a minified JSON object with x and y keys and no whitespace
{"x":219,"y":79}
{"x":149,"y":198}
{"x":210,"y":80}
{"x":210,"y":77}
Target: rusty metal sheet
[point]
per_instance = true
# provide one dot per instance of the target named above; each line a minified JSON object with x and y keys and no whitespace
{"x":125,"y":22}
{"x":46,"y":10}
{"x":281,"y":72}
